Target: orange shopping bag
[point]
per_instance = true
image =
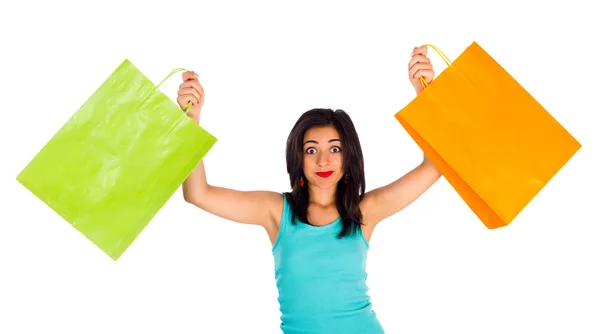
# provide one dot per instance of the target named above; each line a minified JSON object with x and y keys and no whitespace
{"x":493,"y":142}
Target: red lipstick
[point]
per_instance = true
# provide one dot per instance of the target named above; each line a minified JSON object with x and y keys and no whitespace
{"x":325,"y":174}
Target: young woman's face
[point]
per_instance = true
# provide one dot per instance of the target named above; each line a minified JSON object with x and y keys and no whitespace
{"x":323,"y":157}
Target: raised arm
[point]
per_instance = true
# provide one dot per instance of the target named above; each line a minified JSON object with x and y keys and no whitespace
{"x":249,"y":207}
{"x":385,"y":201}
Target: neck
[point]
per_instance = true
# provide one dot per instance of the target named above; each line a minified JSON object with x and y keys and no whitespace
{"x":322,"y":197}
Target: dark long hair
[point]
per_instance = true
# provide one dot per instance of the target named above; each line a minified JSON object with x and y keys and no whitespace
{"x":348,"y":195}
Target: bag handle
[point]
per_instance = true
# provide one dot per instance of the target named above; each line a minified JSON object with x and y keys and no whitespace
{"x":442,"y":55}
{"x":179,"y":69}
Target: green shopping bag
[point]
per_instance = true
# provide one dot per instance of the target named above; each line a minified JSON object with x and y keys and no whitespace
{"x":117,"y":160}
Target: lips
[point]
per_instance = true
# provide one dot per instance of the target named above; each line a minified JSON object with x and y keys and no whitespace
{"x":325,"y":174}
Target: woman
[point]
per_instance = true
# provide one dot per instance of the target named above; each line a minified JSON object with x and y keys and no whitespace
{"x":320,"y":231}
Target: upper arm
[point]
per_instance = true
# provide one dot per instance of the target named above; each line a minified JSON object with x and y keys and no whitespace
{"x":249,"y":207}
{"x":381,"y":203}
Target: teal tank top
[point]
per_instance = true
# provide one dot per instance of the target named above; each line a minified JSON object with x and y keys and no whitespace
{"x":322,"y":279}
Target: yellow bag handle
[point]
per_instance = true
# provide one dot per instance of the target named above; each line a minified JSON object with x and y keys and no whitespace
{"x":442,"y":55}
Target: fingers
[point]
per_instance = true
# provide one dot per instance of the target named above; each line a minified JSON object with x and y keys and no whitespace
{"x":426,"y":74}
{"x":424,"y":70}
{"x":419,"y":65}
{"x":183,"y":100}
{"x":421,"y":50}
{"x":195,"y":84}
{"x":190,"y":92}
{"x":418,"y":59}
{"x":189,"y":75}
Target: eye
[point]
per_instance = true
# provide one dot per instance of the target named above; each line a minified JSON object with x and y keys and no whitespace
{"x":311,"y":150}
{"x":335,"y":149}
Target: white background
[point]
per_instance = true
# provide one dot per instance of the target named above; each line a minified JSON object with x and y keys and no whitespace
{"x":433,"y":268}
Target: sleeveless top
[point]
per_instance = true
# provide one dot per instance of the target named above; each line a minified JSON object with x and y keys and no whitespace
{"x":321,"y":279}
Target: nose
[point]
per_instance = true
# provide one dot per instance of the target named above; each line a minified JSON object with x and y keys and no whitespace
{"x":323,"y":159}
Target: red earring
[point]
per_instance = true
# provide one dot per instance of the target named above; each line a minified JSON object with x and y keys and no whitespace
{"x":301,"y":182}
{"x":346,"y":179}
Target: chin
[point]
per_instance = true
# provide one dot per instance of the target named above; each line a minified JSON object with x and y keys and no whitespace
{"x":326,"y":184}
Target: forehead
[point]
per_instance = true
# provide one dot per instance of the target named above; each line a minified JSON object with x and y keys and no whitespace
{"x":321,"y":133}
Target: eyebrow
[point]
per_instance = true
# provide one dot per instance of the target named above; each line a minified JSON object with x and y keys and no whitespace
{"x":316,"y":142}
